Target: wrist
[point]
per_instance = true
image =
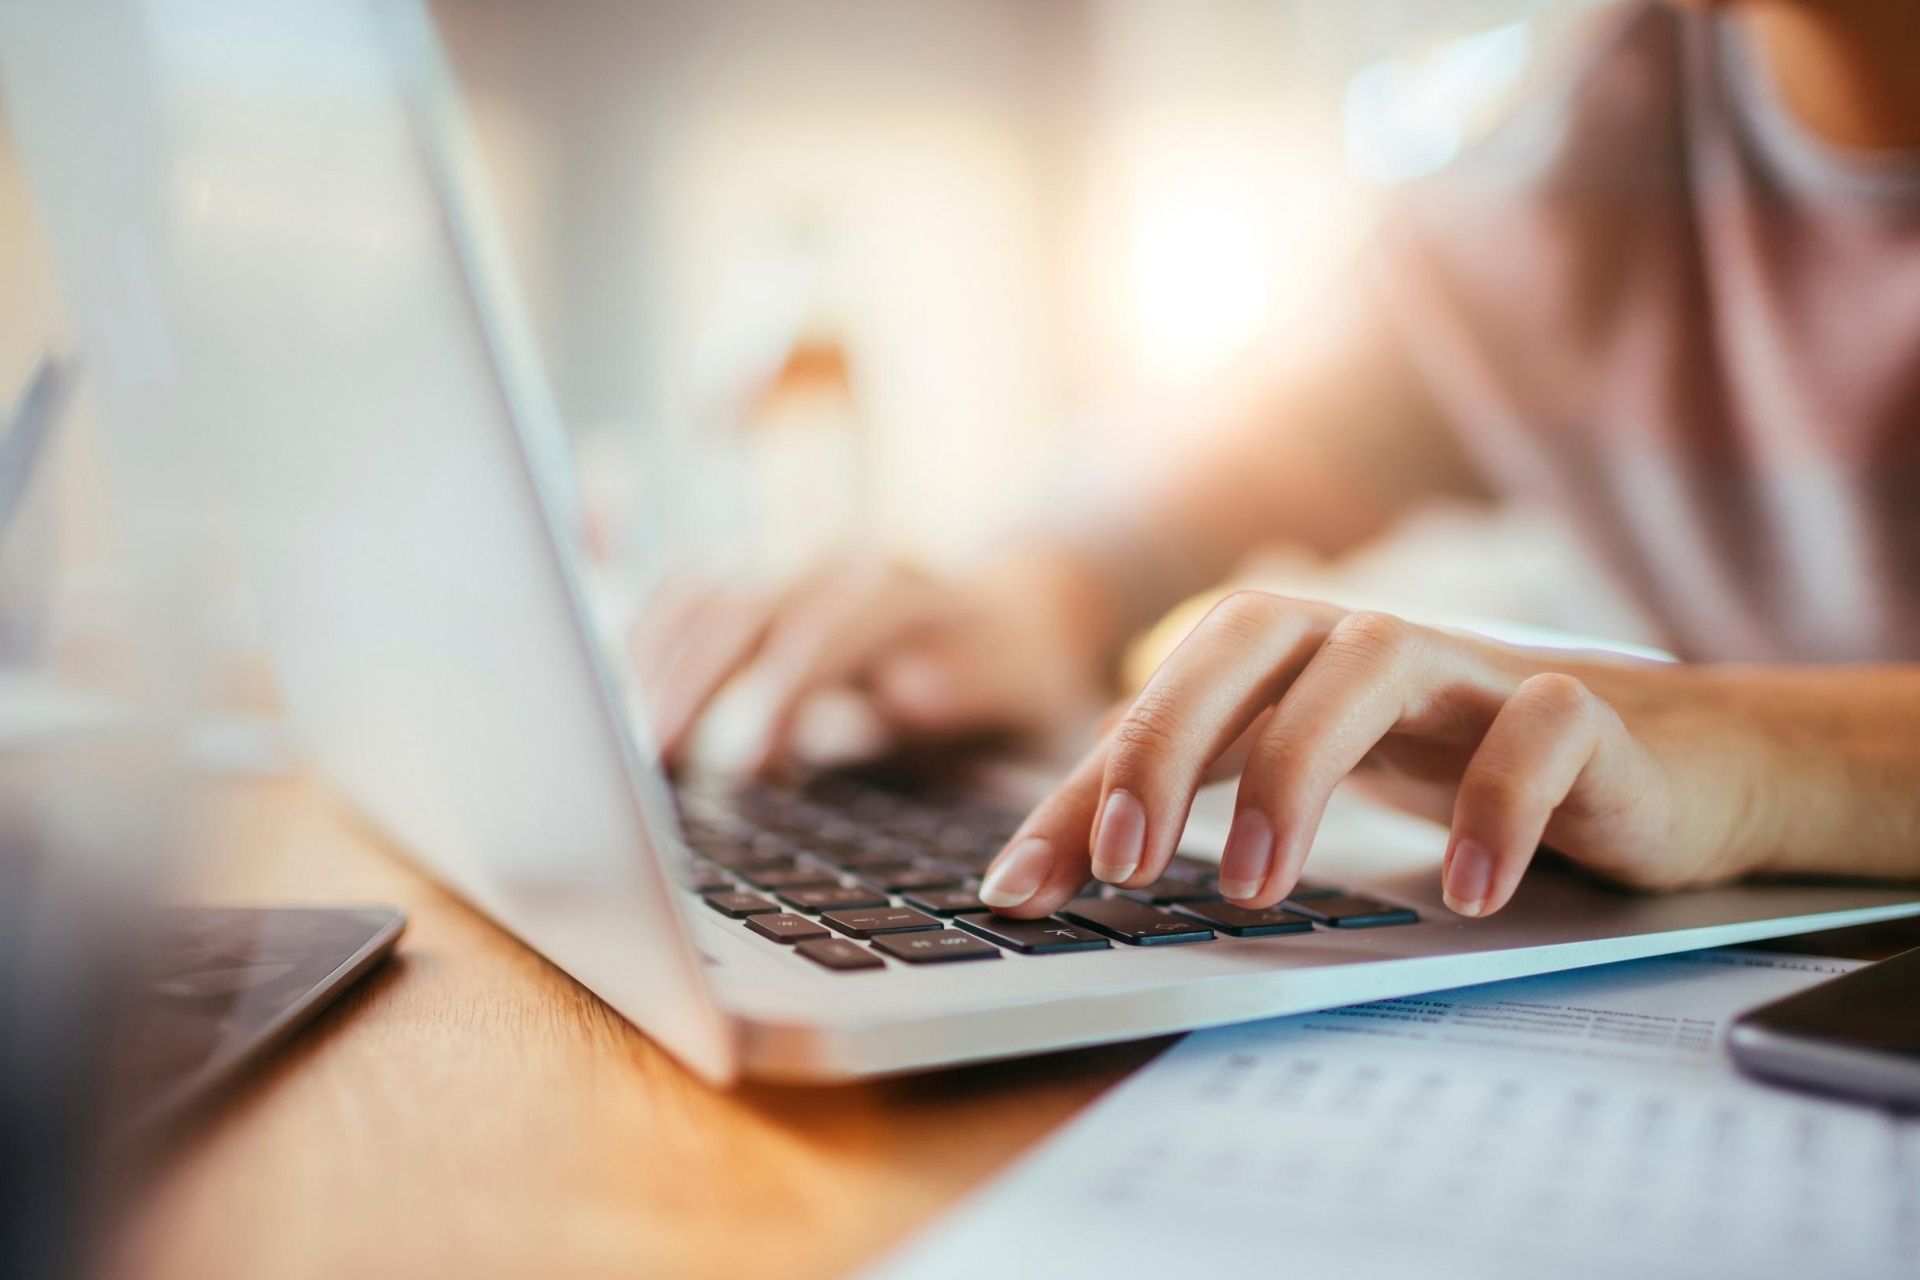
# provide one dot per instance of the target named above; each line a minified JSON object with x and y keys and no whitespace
{"x":1721,"y":775}
{"x":1792,"y":792}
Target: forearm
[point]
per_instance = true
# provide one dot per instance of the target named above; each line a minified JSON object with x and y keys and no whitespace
{"x":1819,"y":766}
{"x":1326,"y":458}
{"x":1337,"y":440}
{"x":1271,"y":476}
{"x":1837,"y":767}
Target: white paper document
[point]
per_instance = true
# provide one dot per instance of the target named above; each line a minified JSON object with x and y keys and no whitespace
{"x":1580,"y":1124}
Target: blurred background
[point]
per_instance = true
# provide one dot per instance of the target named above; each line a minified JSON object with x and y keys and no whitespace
{"x":908,"y":273}
{"x":919,"y":270}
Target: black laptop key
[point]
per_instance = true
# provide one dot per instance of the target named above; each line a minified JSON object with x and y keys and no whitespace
{"x":838,"y":953}
{"x":739,"y":905}
{"x":869,"y":848}
{"x":760,"y":847}
{"x":903,"y":879}
{"x":782,"y":927}
{"x":1135,"y":923}
{"x":831,"y":897}
{"x":958,"y":840}
{"x":746,"y":859}
{"x":730,"y":841}
{"x":945,"y":902}
{"x":1349,"y":912}
{"x":1167,"y":892}
{"x":987,"y":816}
{"x":977,"y":858}
{"x":1246,"y":922}
{"x":1190,"y":871}
{"x":713,"y":845}
{"x":855,"y":856}
{"x":869,"y":922}
{"x":1034,"y":937}
{"x":919,"y":825}
{"x":800,"y":825}
{"x":1308,"y":890}
{"x":936,"y":947}
{"x":791,"y":876}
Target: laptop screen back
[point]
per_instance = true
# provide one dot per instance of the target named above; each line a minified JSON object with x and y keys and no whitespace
{"x":280,"y":267}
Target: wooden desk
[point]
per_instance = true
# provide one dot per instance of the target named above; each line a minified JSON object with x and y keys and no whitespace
{"x":472,"y":1112}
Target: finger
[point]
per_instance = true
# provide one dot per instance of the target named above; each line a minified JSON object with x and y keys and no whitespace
{"x":666,"y":614}
{"x":835,"y":728}
{"x":1045,"y":863}
{"x":1373,"y":673}
{"x":676,"y":603}
{"x":1551,"y":737}
{"x":1230,"y":668}
{"x":945,"y":686}
{"x":828,"y":639}
{"x":715,"y":639}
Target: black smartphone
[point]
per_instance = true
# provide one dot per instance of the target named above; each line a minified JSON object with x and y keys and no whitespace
{"x":219,"y":988}
{"x":1858,"y":1035}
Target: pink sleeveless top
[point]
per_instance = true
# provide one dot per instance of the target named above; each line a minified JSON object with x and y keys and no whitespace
{"x":1655,"y":302}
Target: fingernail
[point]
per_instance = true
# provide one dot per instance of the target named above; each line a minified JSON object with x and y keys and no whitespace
{"x":1469,"y":877}
{"x":1248,"y":857}
{"x":1122,"y":836}
{"x":1016,"y":874}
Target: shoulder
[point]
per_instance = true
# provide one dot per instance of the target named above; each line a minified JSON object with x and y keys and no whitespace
{"x":1601,"y":106}
{"x":1586,"y":172}
{"x":1567,"y":229}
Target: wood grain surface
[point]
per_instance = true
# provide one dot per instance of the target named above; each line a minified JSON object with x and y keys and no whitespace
{"x":471,"y":1111}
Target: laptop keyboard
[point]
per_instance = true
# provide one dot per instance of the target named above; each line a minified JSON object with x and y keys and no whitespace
{"x":855,"y":876}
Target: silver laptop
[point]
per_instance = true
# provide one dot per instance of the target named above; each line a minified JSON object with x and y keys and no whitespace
{"x":278,"y":257}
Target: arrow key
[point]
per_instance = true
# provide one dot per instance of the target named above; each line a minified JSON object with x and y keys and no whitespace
{"x":1033,"y":937}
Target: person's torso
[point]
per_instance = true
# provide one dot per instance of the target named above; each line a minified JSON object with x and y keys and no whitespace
{"x":1656,"y":303}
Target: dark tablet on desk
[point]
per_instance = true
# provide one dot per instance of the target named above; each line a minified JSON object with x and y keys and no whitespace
{"x":221,"y":987}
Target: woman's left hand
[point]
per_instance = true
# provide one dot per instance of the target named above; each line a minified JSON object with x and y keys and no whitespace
{"x":1513,"y":747}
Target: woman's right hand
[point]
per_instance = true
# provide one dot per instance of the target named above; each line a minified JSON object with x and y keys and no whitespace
{"x":862,"y":657}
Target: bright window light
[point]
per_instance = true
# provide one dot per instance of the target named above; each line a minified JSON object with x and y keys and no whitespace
{"x":1201,"y":271}
{"x":1225,"y":241}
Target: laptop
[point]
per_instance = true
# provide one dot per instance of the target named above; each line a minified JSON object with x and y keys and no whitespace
{"x":321,"y":304}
